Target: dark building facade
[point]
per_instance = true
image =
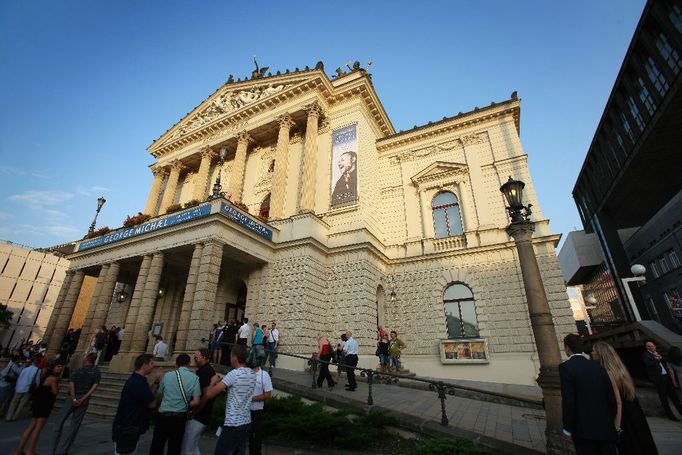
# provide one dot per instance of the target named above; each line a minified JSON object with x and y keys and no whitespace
{"x":632,"y":172}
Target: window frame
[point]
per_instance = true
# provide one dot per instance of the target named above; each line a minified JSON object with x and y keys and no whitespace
{"x":444,"y":208}
{"x":459,"y":302}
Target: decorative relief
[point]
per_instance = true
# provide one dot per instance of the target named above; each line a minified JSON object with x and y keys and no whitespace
{"x":266,"y":171}
{"x":471,"y":139}
{"x":412,"y":155}
{"x":225,"y":104}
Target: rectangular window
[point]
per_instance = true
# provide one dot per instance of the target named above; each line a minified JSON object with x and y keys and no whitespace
{"x":676,"y":18}
{"x":674,"y":260}
{"x":654,"y":269}
{"x":663,"y":264}
{"x":621,"y":144}
{"x":635,"y":113}
{"x":669,"y":54}
{"x":626,"y":127}
{"x":645,"y":97}
{"x":656,"y":77}
{"x":672,"y":298}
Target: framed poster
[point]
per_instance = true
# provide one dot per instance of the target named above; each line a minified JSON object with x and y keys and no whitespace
{"x":465,"y":350}
{"x":344,"y":188}
{"x":156,"y":328}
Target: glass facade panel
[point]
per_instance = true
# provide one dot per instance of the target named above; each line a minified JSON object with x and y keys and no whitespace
{"x":676,"y":17}
{"x":656,"y":77}
{"x":674,"y":260}
{"x":454,"y":220}
{"x":669,"y":54}
{"x":635,"y":113}
{"x":645,"y":97}
{"x":469,"y":319}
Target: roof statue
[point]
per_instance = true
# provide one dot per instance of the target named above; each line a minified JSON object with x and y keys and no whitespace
{"x":258,"y":72}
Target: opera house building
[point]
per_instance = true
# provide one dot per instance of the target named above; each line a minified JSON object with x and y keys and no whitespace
{"x":292,"y":198}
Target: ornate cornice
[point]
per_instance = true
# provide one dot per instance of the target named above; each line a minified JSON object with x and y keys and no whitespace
{"x":451,"y":124}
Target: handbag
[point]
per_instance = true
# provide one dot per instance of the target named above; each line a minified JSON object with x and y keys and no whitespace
{"x":184,"y":396}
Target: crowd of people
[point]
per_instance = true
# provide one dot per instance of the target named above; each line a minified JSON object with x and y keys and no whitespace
{"x":601,"y":413}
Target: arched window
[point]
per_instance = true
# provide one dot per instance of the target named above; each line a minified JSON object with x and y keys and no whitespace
{"x":460,"y":311}
{"x":264,"y":211}
{"x":446,"y":218}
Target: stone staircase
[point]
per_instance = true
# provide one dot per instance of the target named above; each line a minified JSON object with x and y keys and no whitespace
{"x":104,"y":402}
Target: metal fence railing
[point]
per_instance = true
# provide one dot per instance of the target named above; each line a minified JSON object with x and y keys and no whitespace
{"x":440,"y":387}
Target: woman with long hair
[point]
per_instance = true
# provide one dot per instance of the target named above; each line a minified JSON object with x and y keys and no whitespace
{"x":635,"y":435}
{"x":43,"y":402}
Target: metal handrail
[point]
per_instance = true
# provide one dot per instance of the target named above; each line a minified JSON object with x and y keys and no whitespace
{"x":441,"y":387}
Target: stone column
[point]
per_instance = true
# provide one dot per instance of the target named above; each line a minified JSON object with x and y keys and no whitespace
{"x":62,"y":312}
{"x":201,"y":180}
{"x":135,"y":301}
{"x":204,"y":295}
{"x":236,"y":185}
{"x":171,"y":186}
{"x":153,"y":199}
{"x":148,"y":303}
{"x":279,"y":179}
{"x":310,"y":158}
{"x":104,"y":299}
{"x":87,"y":324}
{"x":545,"y":335}
{"x":188,"y":299}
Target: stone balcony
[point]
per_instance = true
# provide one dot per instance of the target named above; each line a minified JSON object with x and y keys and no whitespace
{"x":450,"y":243}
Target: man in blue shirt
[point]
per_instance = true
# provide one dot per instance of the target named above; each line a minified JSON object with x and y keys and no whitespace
{"x":132,"y":417}
{"x":351,"y":350}
{"x":180,"y":390}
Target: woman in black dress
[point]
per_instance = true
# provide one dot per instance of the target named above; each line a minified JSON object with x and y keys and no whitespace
{"x":635,"y":435}
{"x":43,"y":401}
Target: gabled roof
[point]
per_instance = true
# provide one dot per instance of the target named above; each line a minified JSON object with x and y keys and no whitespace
{"x":437,"y":170}
{"x":234,"y":102}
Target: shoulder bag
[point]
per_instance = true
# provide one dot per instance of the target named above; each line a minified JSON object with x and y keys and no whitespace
{"x":184,"y":396}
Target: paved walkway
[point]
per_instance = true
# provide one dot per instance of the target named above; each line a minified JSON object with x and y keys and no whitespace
{"x":503,"y":427}
{"x":509,"y":429}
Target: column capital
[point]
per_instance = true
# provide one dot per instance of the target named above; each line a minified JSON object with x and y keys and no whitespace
{"x":176,"y":165}
{"x":206,"y":152}
{"x":314,"y":109}
{"x":285,"y":121}
{"x":158,"y":170}
{"x":244,"y":138}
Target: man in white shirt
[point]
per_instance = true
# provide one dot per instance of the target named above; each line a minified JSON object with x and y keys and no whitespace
{"x":29,"y":375}
{"x":8,"y":378}
{"x":160,"y":349}
{"x":244,"y":332}
{"x":261,"y":392}
{"x":273,"y":342}
{"x":351,"y":349}
{"x":240,"y":384}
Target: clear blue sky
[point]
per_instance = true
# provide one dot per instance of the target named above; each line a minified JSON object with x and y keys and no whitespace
{"x":85,"y":86}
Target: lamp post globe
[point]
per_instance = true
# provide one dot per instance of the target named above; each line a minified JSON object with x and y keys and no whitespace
{"x":521,"y":230}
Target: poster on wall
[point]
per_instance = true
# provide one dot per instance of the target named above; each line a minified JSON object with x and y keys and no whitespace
{"x":344,"y":165}
{"x":471,"y":350}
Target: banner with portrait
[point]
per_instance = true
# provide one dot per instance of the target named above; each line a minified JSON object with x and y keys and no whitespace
{"x":344,"y":184}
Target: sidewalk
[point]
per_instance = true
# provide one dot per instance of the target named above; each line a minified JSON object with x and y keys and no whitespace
{"x":499,"y":427}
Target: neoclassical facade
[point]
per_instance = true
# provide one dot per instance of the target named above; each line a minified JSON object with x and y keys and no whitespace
{"x":330,"y":221}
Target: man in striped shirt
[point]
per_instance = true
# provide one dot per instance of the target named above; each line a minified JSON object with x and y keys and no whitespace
{"x":239,"y":383}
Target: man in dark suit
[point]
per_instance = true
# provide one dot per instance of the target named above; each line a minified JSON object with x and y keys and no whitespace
{"x":587,"y":401}
{"x":659,"y":374}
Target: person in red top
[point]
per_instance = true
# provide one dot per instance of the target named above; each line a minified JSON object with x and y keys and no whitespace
{"x":41,"y":362}
{"x":325,"y":353}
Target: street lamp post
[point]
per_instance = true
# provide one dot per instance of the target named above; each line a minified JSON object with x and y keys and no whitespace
{"x":521,"y":230}
{"x":217,"y":187}
{"x":100,"y":203}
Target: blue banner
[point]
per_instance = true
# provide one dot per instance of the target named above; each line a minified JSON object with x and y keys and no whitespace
{"x":150,"y":226}
{"x":241,"y":219}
